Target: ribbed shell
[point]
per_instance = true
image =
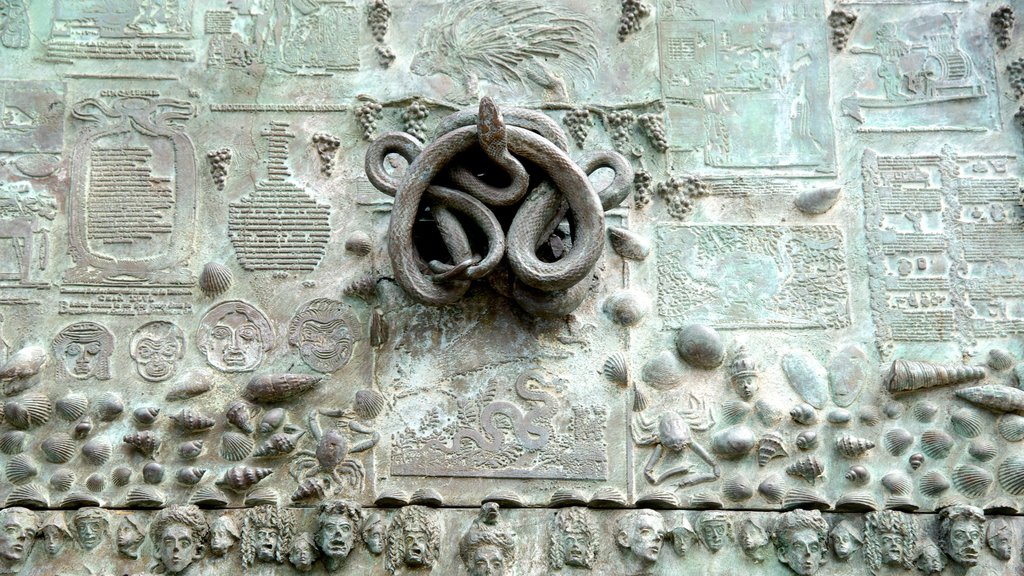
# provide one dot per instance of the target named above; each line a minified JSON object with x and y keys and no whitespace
{"x":209,"y":497}
{"x":95,"y":482}
{"x":897,"y":482}
{"x":21,"y":469}
{"x":703,"y":501}
{"x":392,"y":498}
{"x":426,"y":497}
{"x":1011,"y":475}
{"x":897,"y":440}
{"x":870,"y":416}
{"x":110,"y":407}
{"x":97,"y":451}
{"x":190,"y":389}
{"x":924,"y":411}
{"x":121,"y":475}
{"x":235,"y":447}
{"x":982,"y":450}
{"x":13,"y":442}
{"x":805,"y":499}
{"x":933,"y":483}
{"x":735,"y":412}
{"x":369,"y":404}
{"x":640,"y":402}
{"x":190,"y":420}
{"x":359,"y":243}
{"x":242,"y":478}
{"x":146,"y":442}
{"x":936,"y":444}
{"x":72,"y":407}
{"x":277,"y":445}
{"x":191,"y":449}
{"x":772,"y":488}
{"x":737,"y":488}
{"x":810,"y":468}
{"x":907,"y":375}
{"x":62,"y":480}
{"x":313,"y":488}
{"x":856,"y":502}
{"x":239,"y":414}
{"x":664,"y":371}
{"x":627,"y":307}
{"x":1000,"y":359}
{"x":272,"y":420}
{"x":616,"y":369}
{"x":966,"y":423}
{"x":145,"y":497}
{"x":510,"y":499}
{"x":31,"y":410}
{"x":971,"y":481}
{"x":261,"y":496}
{"x":853,"y":446}
{"x":279,"y":387}
{"x":59,"y":448}
{"x":28,"y":496}
{"x":79,"y":499}
{"x":565,"y":497}
{"x":994,"y":397}
{"x":1011,"y":427}
{"x":215,"y":279}
{"x":606,"y":497}
{"x":770,"y":446}
{"x":659,"y":499}
{"x":768,"y":413}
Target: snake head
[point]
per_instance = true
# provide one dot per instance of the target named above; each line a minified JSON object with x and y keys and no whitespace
{"x":491,"y":125}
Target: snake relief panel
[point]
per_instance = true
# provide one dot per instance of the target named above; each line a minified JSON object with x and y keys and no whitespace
{"x":511,"y":287}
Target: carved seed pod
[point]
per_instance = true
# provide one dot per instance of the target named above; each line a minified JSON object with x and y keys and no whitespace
{"x":1011,"y":427}
{"x":121,"y":476}
{"x":810,"y":468}
{"x":772,"y":488}
{"x":191,"y":449}
{"x":97,"y":451}
{"x":13,"y":442}
{"x":272,"y":420}
{"x":966,"y":423}
{"x":62,"y":480}
{"x":982,"y":450}
{"x":359,"y":243}
{"x":629,"y":244}
{"x":32,"y":410}
{"x":858,"y":475}
{"x":190,"y":475}
{"x":27,"y":496}
{"x":936,"y":444}
{"x":369,"y":404}
{"x":153,"y":473}
{"x":58,"y":448}
{"x":897,"y":440}
{"x":215,"y":279}
{"x":145,"y":497}
{"x":1011,"y":475}
{"x":72,"y":407}
{"x":190,"y":389}
{"x":240,"y":413}
{"x":807,"y":440}
{"x":110,"y":407}
{"x":146,"y":415}
{"x":1000,"y":359}
{"x":971,"y":481}
{"x":83,"y":428}
{"x":737,"y":488}
{"x":853,"y":446}
{"x":21,"y":469}
{"x":616,"y":369}
{"x":924,"y":411}
{"x":190,"y":420}
{"x":261,"y":496}
{"x":95,"y":482}
{"x":916,"y":460}
{"x":209,"y":497}
{"x":235,"y":447}
{"x":933,"y":483}
{"x":241,"y":478}
{"x":146,"y":442}
{"x":770,"y":446}
{"x":803,"y":414}
{"x":277,"y":445}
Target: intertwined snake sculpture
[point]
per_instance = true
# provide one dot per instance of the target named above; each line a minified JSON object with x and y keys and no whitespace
{"x":506,"y":139}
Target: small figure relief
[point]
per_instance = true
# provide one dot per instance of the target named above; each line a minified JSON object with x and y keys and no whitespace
{"x":129,"y":537}
{"x":753,"y":540}
{"x":83,"y":351}
{"x":999,"y":538}
{"x":479,"y":442}
{"x":24,"y":234}
{"x":325,"y":332}
{"x":890,"y":539}
{"x":572,"y":539}
{"x":91,"y":528}
{"x":223,"y":535}
{"x":373,"y":533}
{"x":714,"y":530}
{"x":413,"y":540}
{"x":930,"y":560}
{"x":800,"y":540}
{"x":313,"y":37}
{"x":338,"y":523}
{"x":234,"y":336}
{"x":14,"y":28}
{"x":304,"y":553}
{"x":55,"y":534}
{"x":845,"y":539}
{"x":157,"y":347}
{"x":180,"y":535}
{"x":18,"y":527}
{"x":31,"y":113}
{"x":330,"y":469}
{"x":670,"y":435}
{"x":279,"y":226}
{"x":507,"y":43}
{"x":640,"y":535}
{"x":755,"y":277}
{"x":962,"y":533}
{"x":683,"y":537}
{"x":267,"y":533}
{"x":488,"y":548}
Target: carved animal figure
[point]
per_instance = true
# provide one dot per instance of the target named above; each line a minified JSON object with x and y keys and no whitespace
{"x":328,"y":468}
{"x":505,"y":42}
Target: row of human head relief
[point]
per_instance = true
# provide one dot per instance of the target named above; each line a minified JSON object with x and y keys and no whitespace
{"x":801,"y":541}
{"x":234,"y":336}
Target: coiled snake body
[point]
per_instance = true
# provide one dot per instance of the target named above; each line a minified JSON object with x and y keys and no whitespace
{"x":543,"y":288}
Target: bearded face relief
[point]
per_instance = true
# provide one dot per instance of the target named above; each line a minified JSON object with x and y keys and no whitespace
{"x":156,"y":348}
{"x":324,"y":332}
{"x":83,"y":350}
{"x":235,"y":336}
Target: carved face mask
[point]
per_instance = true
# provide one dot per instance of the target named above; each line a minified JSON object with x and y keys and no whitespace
{"x":53,"y":539}
{"x":156,"y":349}
{"x":221,"y":539}
{"x":303,"y":555}
{"x":266,"y":544}
{"x":325,"y":343}
{"x":177,"y":548}
{"x":487,"y":561}
{"x":90,"y":532}
{"x":843,"y":544}
{"x":235,"y":344}
{"x":416,"y":549}
{"x":336,"y":536}
{"x":964,"y":542}
{"x":373,"y":537}
{"x":128,"y":539}
{"x":16,"y":538}
{"x":575,"y":550}
{"x":803,"y":552}
{"x":646,"y":538}
{"x":714,"y":534}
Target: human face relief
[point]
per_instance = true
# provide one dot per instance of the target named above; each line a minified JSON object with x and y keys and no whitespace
{"x":575,"y":550}
{"x":128,"y":539}
{"x":90,"y":532}
{"x":487,"y":561}
{"x":16,"y":538}
{"x":325,"y":342}
{"x":53,"y":539}
{"x":964,"y":542}
{"x":336,"y":536}
{"x":843,"y":544}
{"x":647,"y":537}
{"x":235,"y":344}
{"x":221,"y":539}
{"x":803,"y":552}
{"x":266,"y":544}
{"x":1001,"y":545}
{"x":416,"y":548}
{"x":80,"y":358}
{"x":156,"y":358}
{"x":177,"y":548}
{"x":891,"y":547}
{"x":714,"y":533}
{"x":373,"y":536}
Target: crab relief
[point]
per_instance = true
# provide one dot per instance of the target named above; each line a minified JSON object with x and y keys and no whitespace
{"x":329,"y":469}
